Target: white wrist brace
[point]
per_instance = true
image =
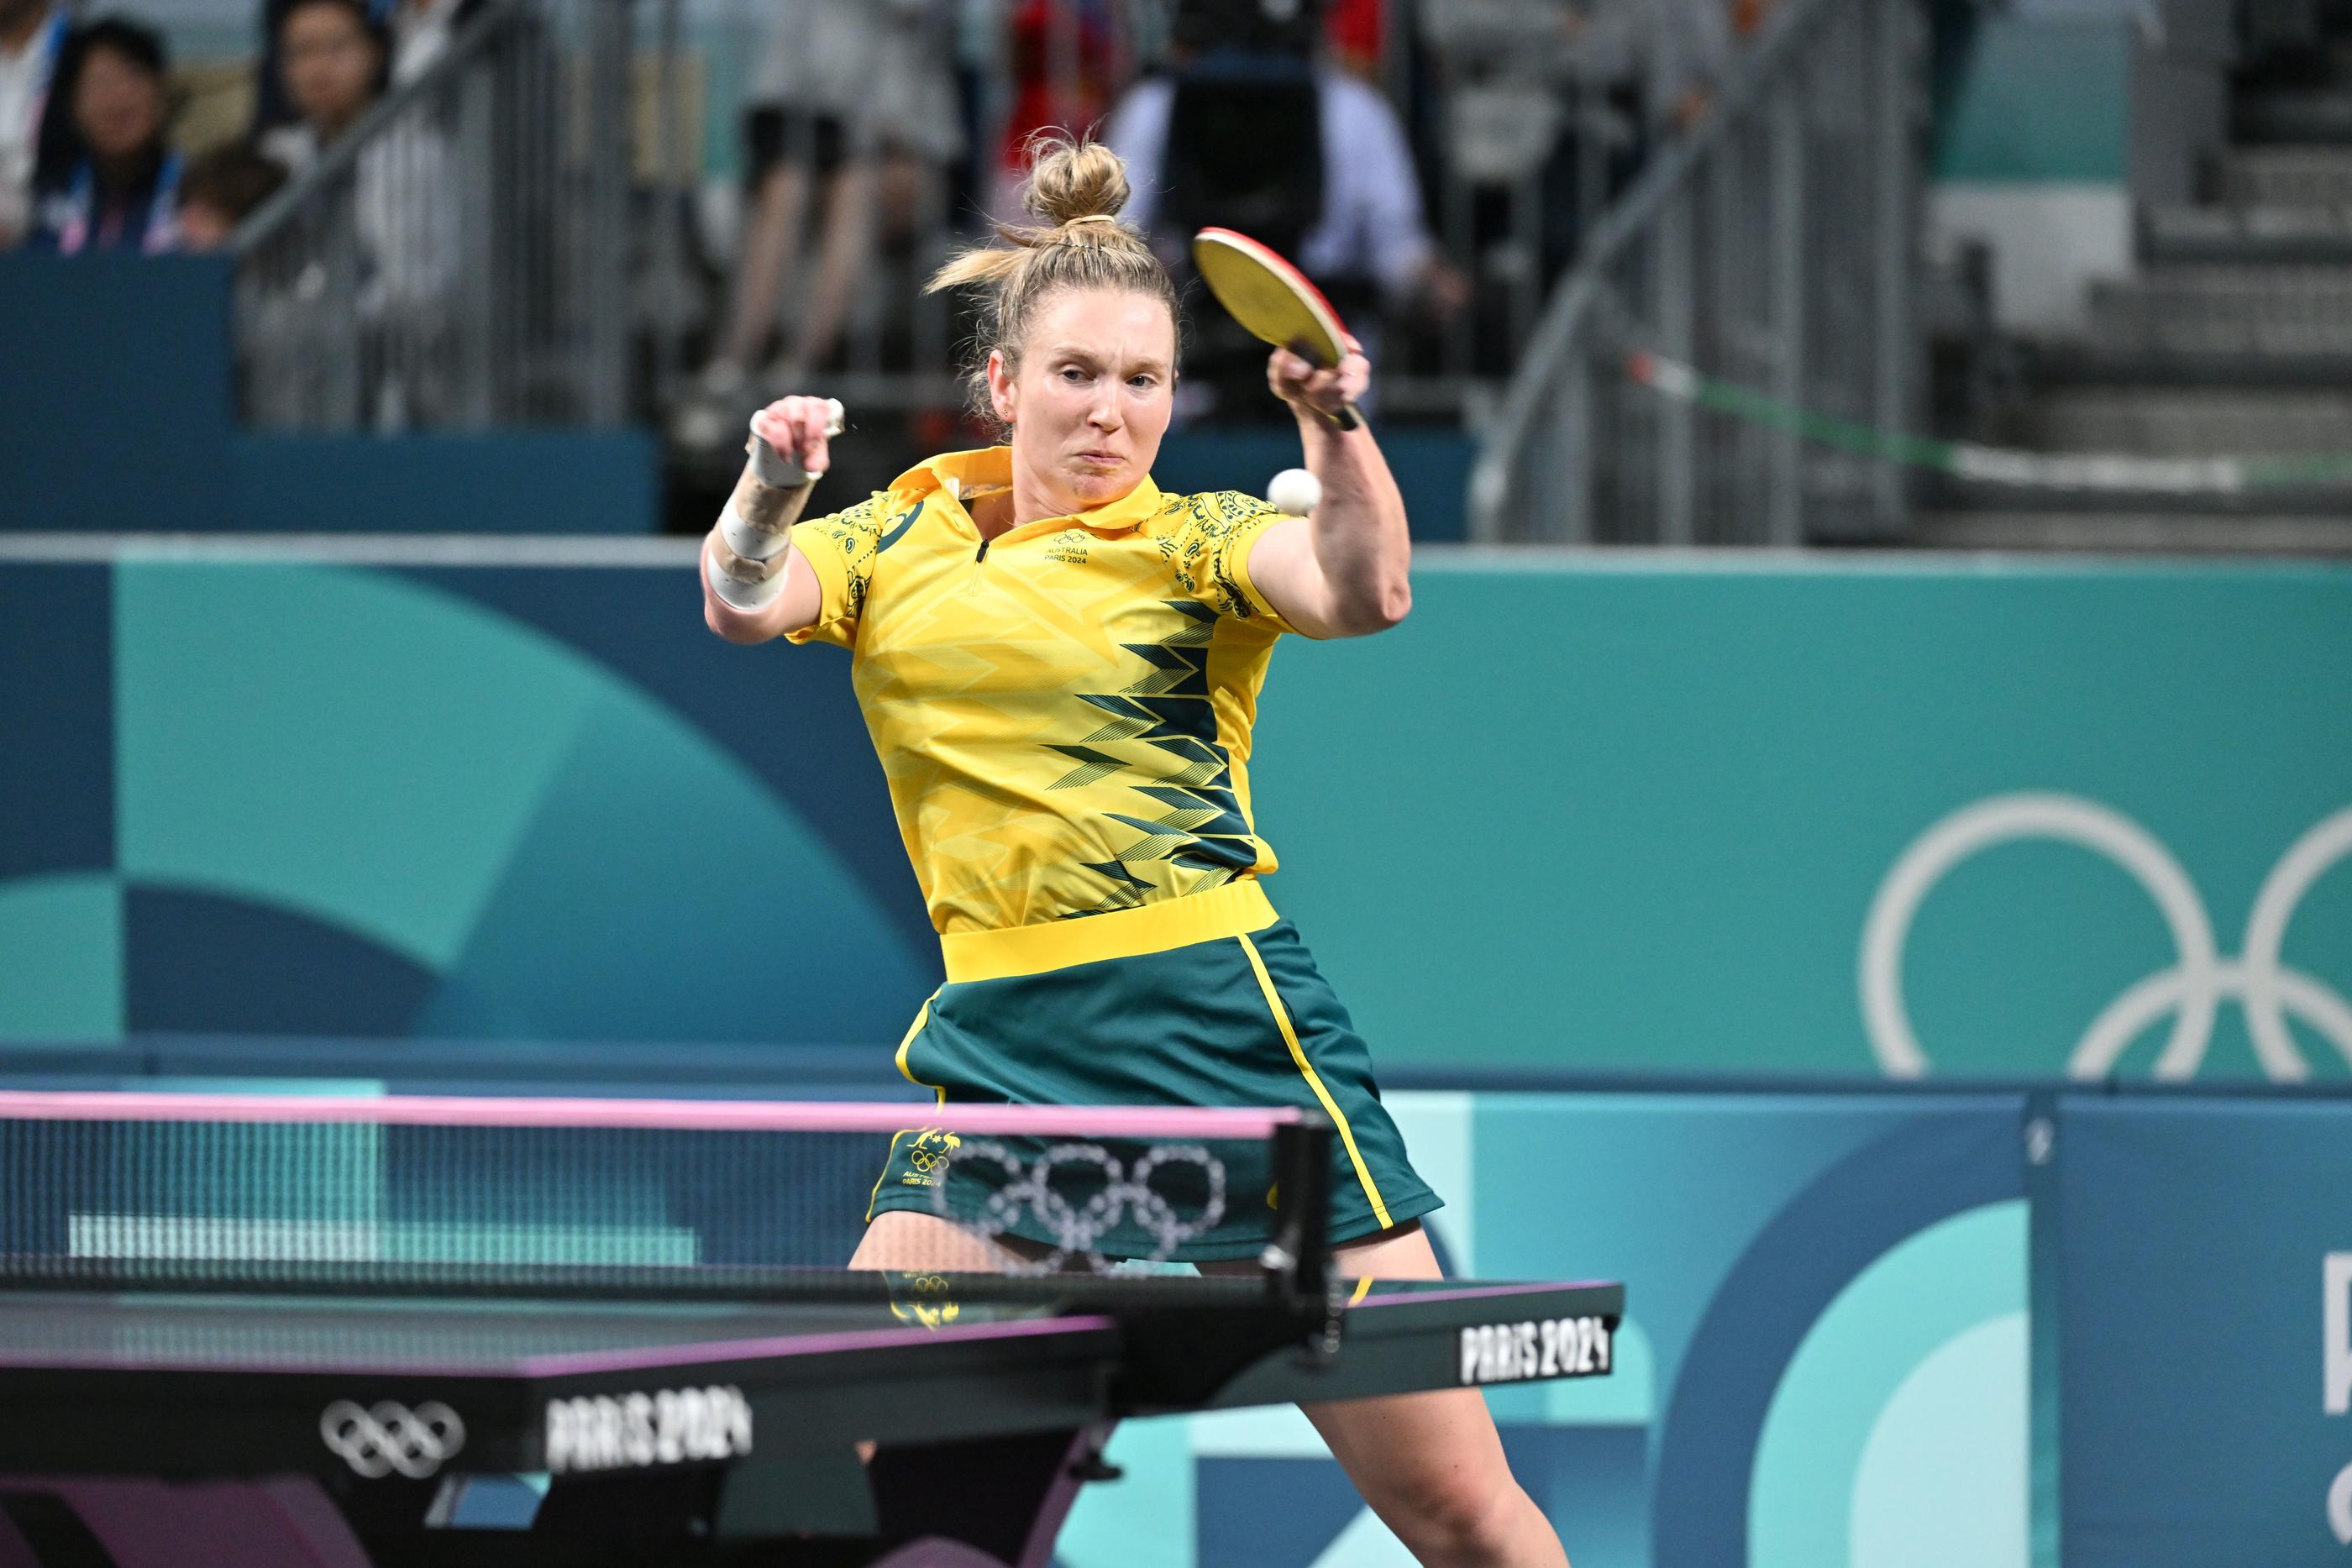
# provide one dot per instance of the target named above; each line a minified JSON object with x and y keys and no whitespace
{"x":769,"y":496}
{"x":751,"y":543}
{"x":739,"y":594}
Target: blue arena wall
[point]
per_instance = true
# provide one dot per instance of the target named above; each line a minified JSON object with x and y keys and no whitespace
{"x":1825,"y":1361}
{"x":1878,"y":1330}
{"x":1901,"y":1327}
{"x":2204,"y":1356}
{"x":1752,"y":816}
{"x":118,"y":394}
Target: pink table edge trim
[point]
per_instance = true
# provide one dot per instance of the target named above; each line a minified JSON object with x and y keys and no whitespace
{"x":1472,"y":1291}
{"x":573,"y":1364}
{"x":685,"y":1116}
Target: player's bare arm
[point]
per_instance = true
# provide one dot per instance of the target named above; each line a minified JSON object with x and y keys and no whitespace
{"x":1343,"y":569}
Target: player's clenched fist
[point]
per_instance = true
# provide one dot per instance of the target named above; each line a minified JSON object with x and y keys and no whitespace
{"x":751,"y":550}
{"x":798,"y":431}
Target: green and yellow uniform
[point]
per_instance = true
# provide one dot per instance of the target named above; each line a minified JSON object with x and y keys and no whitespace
{"x":1063,"y":712}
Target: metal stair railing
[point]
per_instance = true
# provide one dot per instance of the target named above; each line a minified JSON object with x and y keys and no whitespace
{"x":1774,"y":247}
{"x":459,"y":258}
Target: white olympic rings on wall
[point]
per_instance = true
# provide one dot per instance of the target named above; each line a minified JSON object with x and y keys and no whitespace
{"x":2191,"y":991}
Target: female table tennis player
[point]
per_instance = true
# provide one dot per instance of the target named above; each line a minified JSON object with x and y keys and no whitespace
{"x":1059,"y":665}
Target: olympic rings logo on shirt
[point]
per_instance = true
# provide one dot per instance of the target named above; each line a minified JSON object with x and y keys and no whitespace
{"x":378,"y":1440}
{"x":2191,"y":991}
{"x":1019,"y":1187}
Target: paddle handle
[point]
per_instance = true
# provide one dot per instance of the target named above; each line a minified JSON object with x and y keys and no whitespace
{"x":1348,"y":416}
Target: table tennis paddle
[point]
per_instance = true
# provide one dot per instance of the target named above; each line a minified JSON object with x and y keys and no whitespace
{"x":1274,"y":301}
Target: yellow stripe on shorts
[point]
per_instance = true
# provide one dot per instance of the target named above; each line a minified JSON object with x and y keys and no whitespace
{"x":1313,"y":1081}
{"x":922,"y":1017}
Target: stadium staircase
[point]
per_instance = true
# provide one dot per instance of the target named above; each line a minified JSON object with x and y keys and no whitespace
{"x":2234,"y":339}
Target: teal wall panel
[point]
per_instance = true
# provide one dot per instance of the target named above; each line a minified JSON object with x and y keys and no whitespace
{"x":340,"y":743}
{"x":61,"y":958}
{"x":1749,"y":815}
{"x":1634,"y":820}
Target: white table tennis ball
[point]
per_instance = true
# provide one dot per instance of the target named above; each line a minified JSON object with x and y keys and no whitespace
{"x":1295,"y":492}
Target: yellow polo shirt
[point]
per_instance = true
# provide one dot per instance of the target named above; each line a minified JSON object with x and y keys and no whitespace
{"x":1064,"y":711}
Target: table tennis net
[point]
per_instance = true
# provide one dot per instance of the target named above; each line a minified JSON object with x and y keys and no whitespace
{"x":600,"y":1197}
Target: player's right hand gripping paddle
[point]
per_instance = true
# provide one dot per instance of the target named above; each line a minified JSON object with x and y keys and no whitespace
{"x":1274,"y":301}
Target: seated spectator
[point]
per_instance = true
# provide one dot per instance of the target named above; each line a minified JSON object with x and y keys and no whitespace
{"x":334,"y":74}
{"x":1251,"y":130}
{"x":271,"y":106}
{"x":122,"y":190}
{"x":332,"y":60}
{"x":399,"y":199}
{"x":221,"y":190}
{"x":35,"y":124}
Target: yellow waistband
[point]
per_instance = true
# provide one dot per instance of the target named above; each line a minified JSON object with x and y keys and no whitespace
{"x":1234,"y":910}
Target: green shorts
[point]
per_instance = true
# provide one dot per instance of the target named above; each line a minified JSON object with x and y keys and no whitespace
{"x":1236,"y":1019}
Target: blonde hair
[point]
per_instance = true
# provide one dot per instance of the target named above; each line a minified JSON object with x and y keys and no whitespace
{"x":1075,"y":189}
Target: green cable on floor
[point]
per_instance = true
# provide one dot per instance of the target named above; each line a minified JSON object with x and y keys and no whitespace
{"x":1993,"y":465}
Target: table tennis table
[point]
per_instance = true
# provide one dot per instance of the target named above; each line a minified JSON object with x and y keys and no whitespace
{"x":334,"y":1432}
{"x":278,"y":1333}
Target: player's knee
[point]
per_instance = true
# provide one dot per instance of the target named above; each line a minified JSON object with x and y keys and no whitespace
{"x":1461,"y":1515}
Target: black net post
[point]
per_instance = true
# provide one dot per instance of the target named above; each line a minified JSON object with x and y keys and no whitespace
{"x":1298,"y":1260}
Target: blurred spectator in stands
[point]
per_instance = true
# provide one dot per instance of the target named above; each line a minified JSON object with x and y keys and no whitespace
{"x":1064,"y":60}
{"x":332,"y":58}
{"x":271,"y":106}
{"x":854,"y":110}
{"x":121,"y":190}
{"x":35,"y":124}
{"x":401,"y":196}
{"x":334,"y":74}
{"x":224,"y":188}
{"x":1355,"y":35}
{"x":1250,"y":130}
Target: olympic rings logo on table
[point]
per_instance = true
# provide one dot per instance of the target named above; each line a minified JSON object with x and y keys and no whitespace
{"x":1028,"y":1187}
{"x":376,"y":1441}
{"x":2191,"y":991}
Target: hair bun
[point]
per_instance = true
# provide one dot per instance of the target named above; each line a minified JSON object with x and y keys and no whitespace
{"x":1076,"y":188}
{"x":1073,"y":181}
